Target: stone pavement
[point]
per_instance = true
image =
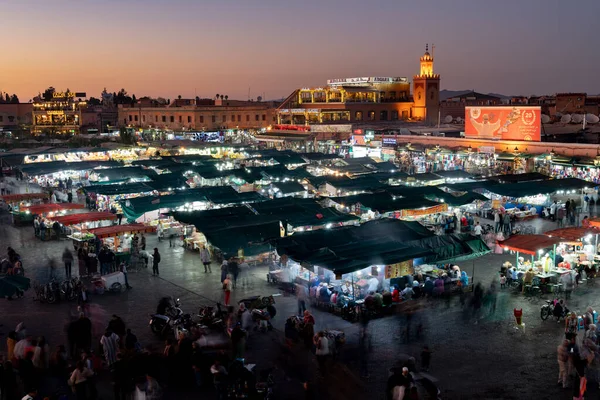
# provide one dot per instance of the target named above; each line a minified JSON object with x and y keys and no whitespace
{"x":487,"y":360}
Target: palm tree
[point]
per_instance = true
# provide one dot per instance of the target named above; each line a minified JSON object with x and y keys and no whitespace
{"x":217,"y":96}
{"x":226,"y":97}
{"x":179,"y":97}
{"x":222,"y":97}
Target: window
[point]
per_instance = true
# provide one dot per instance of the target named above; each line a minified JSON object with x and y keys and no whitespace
{"x":156,"y":118}
{"x":143,"y":118}
{"x":125,"y":120}
{"x":358,"y":116}
{"x":247,"y":118}
{"x":172,"y":118}
{"x":130,"y":118}
{"x":371,"y":115}
{"x":214,"y":119}
{"x":233,"y":118}
{"x":164,"y":118}
{"x":395,"y":115}
{"x":431,"y":95}
{"x":224,"y":118}
{"x":256,"y":117}
{"x":189,"y":119}
{"x":264,"y":117}
{"x":135,"y":118}
{"x":202,"y":119}
{"x":1,"y":118}
{"x":419,"y":95}
{"x":239,"y":118}
{"x":383,"y":115}
{"x":180,"y":119}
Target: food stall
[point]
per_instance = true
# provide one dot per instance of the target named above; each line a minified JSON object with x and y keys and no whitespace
{"x":118,"y":238}
{"x":80,"y":222}
{"x":26,"y":214}
{"x":578,"y":248}
{"x":544,"y":267}
{"x":18,"y":202}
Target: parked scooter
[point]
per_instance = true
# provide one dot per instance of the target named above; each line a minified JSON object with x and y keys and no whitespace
{"x":553,"y":307}
{"x":167,"y":317}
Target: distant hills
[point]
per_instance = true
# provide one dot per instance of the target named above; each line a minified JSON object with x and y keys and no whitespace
{"x":448,"y":94}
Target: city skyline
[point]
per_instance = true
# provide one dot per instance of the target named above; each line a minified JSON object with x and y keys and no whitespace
{"x":270,"y":49}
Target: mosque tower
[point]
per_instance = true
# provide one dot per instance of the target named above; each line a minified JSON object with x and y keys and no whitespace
{"x":426,"y":91}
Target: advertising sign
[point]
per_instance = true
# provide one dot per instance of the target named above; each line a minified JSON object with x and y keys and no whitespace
{"x":399,"y":269}
{"x":507,"y":123}
{"x":425,"y":211}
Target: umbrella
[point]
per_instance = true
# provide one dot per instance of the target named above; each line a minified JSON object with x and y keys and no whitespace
{"x":9,"y":284}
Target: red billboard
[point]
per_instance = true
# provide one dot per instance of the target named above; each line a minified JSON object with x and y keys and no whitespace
{"x":508,"y":123}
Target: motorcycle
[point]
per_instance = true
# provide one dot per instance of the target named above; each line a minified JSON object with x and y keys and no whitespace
{"x":548,"y":309}
{"x":212,"y":317}
{"x":69,"y":288}
{"x":258,"y":302}
{"x":167,"y":317}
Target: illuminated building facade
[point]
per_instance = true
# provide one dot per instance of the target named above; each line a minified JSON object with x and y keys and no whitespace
{"x":366,"y":99}
{"x":60,"y":115}
{"x":197,"y":118}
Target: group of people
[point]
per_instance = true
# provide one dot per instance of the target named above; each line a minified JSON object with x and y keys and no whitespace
{"x":579,"y":357}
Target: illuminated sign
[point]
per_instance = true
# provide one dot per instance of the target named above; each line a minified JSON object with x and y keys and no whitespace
{"x":63,"y":95}
{"x":56,"y":113}
{"x":507,"y":123}
{"x":389,"y":141}
{"x":342,"y":128}
{"x":364,"y":80}
{"x":298,"y":110}
{"x":425,"y":211}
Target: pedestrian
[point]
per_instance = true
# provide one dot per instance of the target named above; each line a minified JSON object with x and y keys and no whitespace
{"x":506,"y":223}
{"x":234,"y":270}
{"x":502,"y":281}
{"x":143,"y":242}
{"x":553,"y":210}
{"x":224,"y":270}
{"x":497,"y":223}
{"x":78,"y":380}
{"x":155,"y":261}
{"x":205,"y":258}
{"x":120,"y":216}
{"x":321,"y":343}
{"x":302,"y":295}
{"x":425,"y":358}
{"x":227,"y":286}
{"x":67,"y":257}
{"x":219,"y":374}
{"x":70,"y":196}
{"x":51,"y":269}
{"x":309,"y":328}
{"x":244,"y":273}
{"x":123,"y":268}
{"x":110,"y":346}
{"x":477,"y":230}
{"x":586,"y":202}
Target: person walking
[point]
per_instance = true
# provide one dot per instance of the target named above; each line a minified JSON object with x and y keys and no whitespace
{"x":553,"y":211}
{"x":143,"y":242}
{"x":67,"y":257}
{"x":224,"y":270}
{"x":234,"y":270}
{"x":79,"y":379}
{"x":205,"y":258}
{"x":227,"y":287}
{"x":302,"y":295}
{"x":322,"y":350}
{"x":562,"y":352}
{"x":123,"y":268}
{"x":244,"y":273}
{"x":497,"y":223}
{"x":155,"y":261}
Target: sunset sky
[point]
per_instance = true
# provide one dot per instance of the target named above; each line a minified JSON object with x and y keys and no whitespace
{"x":203,"y":47}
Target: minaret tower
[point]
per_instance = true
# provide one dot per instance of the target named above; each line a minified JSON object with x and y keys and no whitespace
{"x":426,"y":91}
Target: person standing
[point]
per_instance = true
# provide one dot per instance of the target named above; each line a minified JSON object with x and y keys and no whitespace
{"x":205,"y":258}
{"x":143,"y":242}
{"x":553,"y":210}
{"x":322,"y":345}
{"x":497,"y":223}
{"x":477,"y":230}
{"x":155,"y":261}
{"x":224,"y":270}
{"x":110,"y":346}
{"x":124,"y":271}
{"x":302,"y":295}
{"x":227,"y":287}
{"x":234,"y":270}
{"x":68,"y":260}
{"x":244,"y":270}
{"x":79,"y":379}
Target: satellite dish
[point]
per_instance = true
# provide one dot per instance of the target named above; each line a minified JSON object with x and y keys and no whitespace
{"x":591,"y":119}
{"x":545,"y":119}
{"x":565,"y":119}
{"x":448,"y":119}
{"x":459,"y":119}
{"x":576,"y":118}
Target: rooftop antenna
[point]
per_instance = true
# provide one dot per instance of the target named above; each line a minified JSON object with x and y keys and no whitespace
{"x":432,"y":47}
{"x":248,"y":93}
{"x":426,"y":47}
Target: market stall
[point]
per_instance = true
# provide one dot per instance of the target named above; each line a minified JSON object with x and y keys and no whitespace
{"x":26,"y":214}
{"x":68,"y":224}
{"x":119,"y":238}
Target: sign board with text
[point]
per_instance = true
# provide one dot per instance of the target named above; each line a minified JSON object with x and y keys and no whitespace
{"x":506,"y":123}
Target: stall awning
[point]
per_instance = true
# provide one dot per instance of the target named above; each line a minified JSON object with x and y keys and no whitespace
{"x":529,"y":244}
{"x":17,"y":197}
{"x":572,"y":234}
{"x":116,"y":230}
{"x":53,"y":207}
{"x":74,"y":219}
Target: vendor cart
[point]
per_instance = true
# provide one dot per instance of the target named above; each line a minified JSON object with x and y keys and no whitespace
{"x":112,"y":282}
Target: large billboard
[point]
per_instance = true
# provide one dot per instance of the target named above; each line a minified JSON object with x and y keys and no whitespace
{"x":504,"y":122}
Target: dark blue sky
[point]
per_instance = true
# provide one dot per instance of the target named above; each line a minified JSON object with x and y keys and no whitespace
{"x":203,"y":47}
